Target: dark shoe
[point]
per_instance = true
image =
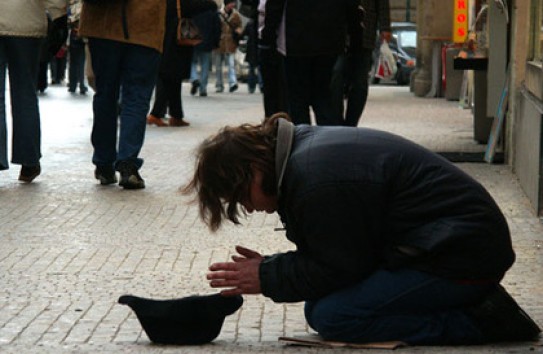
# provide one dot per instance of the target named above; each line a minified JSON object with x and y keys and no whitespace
{"x":28,"y":173}
{"x":194,"y":88}
{"x":234,"y":88}
{"x":106,"y":175}
{"x":203,"y":94}
{"x":151,"y":119}
{"x":178,"y":122}
{"x":83,"y":91}
{"x":130,"y":178}
{"x":500,"y":319}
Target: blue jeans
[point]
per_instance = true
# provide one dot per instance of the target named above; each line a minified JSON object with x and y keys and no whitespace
{"x":309,"y":85}
{"x":76,"y":72}
{"x":130,"y":71}
{"x":229,"y":59}
{"x":202,"y":57}
{"x":21,"y":56}
{"x":254,"y":77}
{"x":405,"y":305}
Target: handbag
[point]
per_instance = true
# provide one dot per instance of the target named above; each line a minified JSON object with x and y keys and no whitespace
{"x":188,"y":33}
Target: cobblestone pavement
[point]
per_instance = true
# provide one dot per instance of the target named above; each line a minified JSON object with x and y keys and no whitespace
{"x":70,"y":247}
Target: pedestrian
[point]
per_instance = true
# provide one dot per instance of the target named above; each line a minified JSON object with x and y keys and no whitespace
{"x":209,"y":25}
{"x":392,"y":242}
{"x":351,"y":73}
{"x":251,"y":56}
{"x":175,"y":65}
{"x":125,"y":41}
{"x":23,"y":28}
{"x":272,"y":68}
{"x":311,"y":35}
{"x":58,"y":66}
{"x":77,"y":44}
{"x":231,"y":28}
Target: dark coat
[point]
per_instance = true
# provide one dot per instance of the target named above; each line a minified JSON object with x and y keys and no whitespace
{"x":176,"y":60}
{"x":356,"y":200}
{"x":313,"y":28}
{"x":377,"y":17}
{"x":209,"y":24}
{"x":251,"y":33}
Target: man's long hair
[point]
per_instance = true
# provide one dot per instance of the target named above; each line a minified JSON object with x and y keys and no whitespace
{"x":224,"y":169}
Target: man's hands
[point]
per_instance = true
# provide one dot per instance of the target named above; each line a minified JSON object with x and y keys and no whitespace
{"x":239,"y":276}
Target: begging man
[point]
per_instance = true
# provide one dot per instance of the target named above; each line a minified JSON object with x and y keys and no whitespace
{"x":393,"y":242}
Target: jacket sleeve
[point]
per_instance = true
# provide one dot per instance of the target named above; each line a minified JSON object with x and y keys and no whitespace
{"x":272,"y":18}
{"x":383,"y":15}
{"x":335,"y":231}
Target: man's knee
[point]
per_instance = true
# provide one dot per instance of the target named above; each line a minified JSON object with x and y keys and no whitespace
{"x":333,"y":323}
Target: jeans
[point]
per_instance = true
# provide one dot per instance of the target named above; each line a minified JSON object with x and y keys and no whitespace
{"x":76,"y":72}
{"x":254,"y":77}
{"x":130,"y":71}
{"x":202,"y":57}
{"x":404,"y":305}
{"x":168,"y":97}
{"x":309,"y":85}
{"x":21,"y":56}
{"x":229,"y":59}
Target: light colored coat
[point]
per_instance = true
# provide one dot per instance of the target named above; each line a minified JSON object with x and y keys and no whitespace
{"x":227,"y":44}
{"x":146,"y":20}
{"x":27,"y":18}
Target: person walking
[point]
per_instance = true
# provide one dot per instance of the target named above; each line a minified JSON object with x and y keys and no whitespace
{"x":209,"y":24}
{"x":76,"y":49}
{"x":125,"y":41}
{"x":23,"y":27}
{"x":230,"y":27}
{"x":254,"y":76}
{"x":175,"y":64}
{"x":392,"y":241}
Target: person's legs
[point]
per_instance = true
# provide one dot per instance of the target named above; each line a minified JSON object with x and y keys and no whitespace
{"x":80,"y":62}
{"x":22,"y":58}
{"x":232,"y":78}
{"x":337,"y":85}
{"x":106,"y":64}
{"x":139,"y":66}
{"x":404,"y":305}
{"x":205,"y":61}
{"x":251,"y":78}
{"x":272,"y":67}
{"x":161,"y":98}
{"x":298,"y":74}
{"x":173,"y":93}
{"x":321,"y":91}
{"x":219,"y":86}
{"x":358,"y":93}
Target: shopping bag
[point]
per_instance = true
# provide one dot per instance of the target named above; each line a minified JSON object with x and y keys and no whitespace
{"x":386,"y":65}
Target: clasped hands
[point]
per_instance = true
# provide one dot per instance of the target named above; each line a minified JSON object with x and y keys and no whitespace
{"x":241,"y":276}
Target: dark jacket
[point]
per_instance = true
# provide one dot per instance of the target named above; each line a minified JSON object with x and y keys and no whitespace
{"x":209,"y":24}
{"x":377,"y":17}
{"x":176,"y":60}
{"x":312,"y":28}
{"x":356,"y":200}
{"x":251,"y":33}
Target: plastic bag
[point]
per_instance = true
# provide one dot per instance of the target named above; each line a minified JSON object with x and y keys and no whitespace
{"x":386,"y":65}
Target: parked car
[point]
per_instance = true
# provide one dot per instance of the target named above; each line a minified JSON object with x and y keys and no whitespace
{"x":403,"y":45}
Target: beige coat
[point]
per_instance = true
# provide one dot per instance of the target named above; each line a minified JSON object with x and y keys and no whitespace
{"x":145,"y":19}
{"x":26,"y":18}
{"x":227,"y":44}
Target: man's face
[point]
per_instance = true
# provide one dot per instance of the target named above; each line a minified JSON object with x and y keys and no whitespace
{"x":230,"y":6}
{"x":257,"y":199}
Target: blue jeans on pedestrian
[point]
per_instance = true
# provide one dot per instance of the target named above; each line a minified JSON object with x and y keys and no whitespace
{"x":76,"y":72}
{"x":202,"y":58}
{"x":227,"y":58}
{"x":130,"y":71}
{"x":404,"y":305}
{"x":21,"y":56}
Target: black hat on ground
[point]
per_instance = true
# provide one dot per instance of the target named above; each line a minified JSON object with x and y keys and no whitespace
{"x":190,"y":320}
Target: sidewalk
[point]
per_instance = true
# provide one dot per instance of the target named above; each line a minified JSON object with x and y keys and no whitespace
{"x":70,"y":247}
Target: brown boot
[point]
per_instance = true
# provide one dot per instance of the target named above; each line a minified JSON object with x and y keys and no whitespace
{"x":178,"y":122}
{"x":151,"y":119}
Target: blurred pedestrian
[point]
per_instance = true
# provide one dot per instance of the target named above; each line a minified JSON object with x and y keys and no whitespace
{"x":125,"y":42}
{"x":58,"y":66}
{"x":311,"y":35}
{"x":175,"y":65}
{"x":23,"y":28}
{"x":76,"y":47}
{"x":251,"y":56}
{"x":351,"y":72}
{"x":209,"y":25}
{"x":230,"y":27}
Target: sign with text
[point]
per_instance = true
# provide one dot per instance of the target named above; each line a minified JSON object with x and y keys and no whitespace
{"x":460,"y":21}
